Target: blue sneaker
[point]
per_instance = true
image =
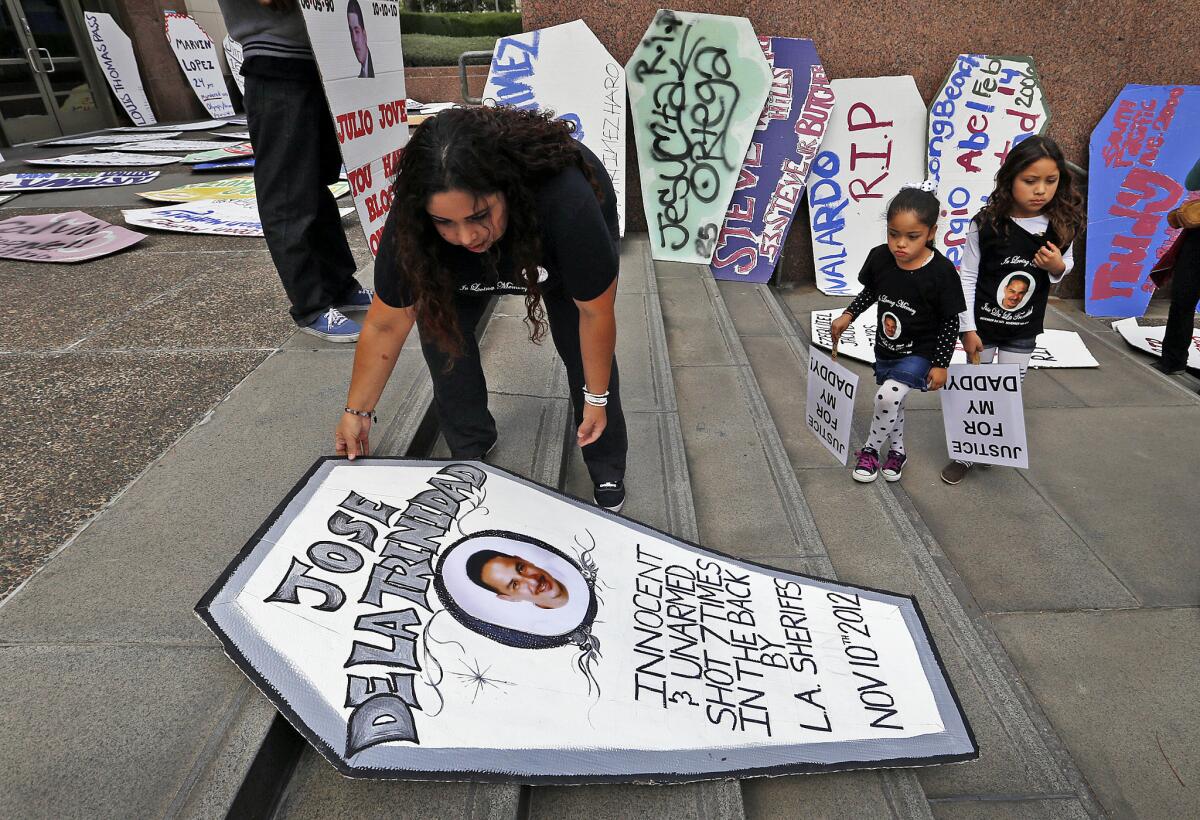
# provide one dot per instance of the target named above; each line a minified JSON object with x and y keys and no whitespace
{"x":332,"y":326}
{"x":357,"y":300}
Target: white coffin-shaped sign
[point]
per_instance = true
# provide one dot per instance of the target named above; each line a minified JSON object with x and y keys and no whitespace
{"x":444,"y":620}
{"x":986,"y":106}
{"x":111,"y":159}
{"x":875,"y":143}
{"x":697,"y":84}
{"x":1055,"y":348}
{"x":1149,"y":339}
{"x":114,"y":52}
{"x":566,"y":69}
{"x":197,"y":56}
{"x":234,"y":59}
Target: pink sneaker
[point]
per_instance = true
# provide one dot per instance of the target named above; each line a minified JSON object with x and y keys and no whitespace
{"x":867,"y":468}
{"x":894,"y":466}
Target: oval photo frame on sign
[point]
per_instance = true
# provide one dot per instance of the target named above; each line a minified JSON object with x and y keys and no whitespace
{"x":516,"y":623}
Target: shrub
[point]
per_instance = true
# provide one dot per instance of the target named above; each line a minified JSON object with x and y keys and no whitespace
{"x":460,"y":24}
{"x":430,"y":49}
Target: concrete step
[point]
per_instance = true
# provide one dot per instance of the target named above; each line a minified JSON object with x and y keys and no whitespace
{"x":1021,"y":758}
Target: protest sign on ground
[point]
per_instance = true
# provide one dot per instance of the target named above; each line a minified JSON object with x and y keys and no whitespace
{"x":566,"y":69}
{"x":224,"y":152}
{"x":1055,"y":348}
{"x":1149,"y":339}
{"x":1143,"y":159}
{"x":238,"y":188}
{"x":770,"y":184}
{"x":114,"y":52}
{"x":67,"y":237}
{"x":197,"y":56}
{"x":875,"y":144}
{"x":243,"y":164}
{"x":697,"y":84}
{"x":152,"y":146}
{"x":111,"y":159}
{"x":400,"y":612}
{"x":241,"y":136}
{"x":47,"y":181}
{"x":201,"y":125}
{"x":114,"y":138}
{"x":829,"y":410}
{"x":986,"y":106}
{"x":223,"y":217}
{"x":361,"y":63}
{"x":983,"y":414}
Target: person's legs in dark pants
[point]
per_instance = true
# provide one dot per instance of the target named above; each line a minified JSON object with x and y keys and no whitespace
{"x":460,"y":394}
{"x":295,"y":158}
{"x":605,"y":457}
{"x":1185,"y":292}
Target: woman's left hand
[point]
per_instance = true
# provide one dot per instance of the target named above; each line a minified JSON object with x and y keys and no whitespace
{"x":595,"y":419}
{"x":937,"y":378}
{"x":1049,"y":258}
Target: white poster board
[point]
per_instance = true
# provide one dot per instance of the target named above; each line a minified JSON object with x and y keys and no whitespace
{"x":567,"y":70}
{"x":374,"y":611}
{"x":1149,"y":339}
{"x":224,"y":151}
{"x":361,"y":61}
{"x":984,"y":415}
{"x":223,"y":217}
{"x":829,"y":409}
{"x":986,"y":106}
{"x":158,"y":146}
{"x":49,"y":181}
{"x":117,"y":159}
{"x":1055,"y":348}
{"x":874,"y":144}
{"x":201,"y":125}
{"x":114,"y":139}
{"x":114,"y":51}
{"x":197,"y":57}
{"x":233,"y":58}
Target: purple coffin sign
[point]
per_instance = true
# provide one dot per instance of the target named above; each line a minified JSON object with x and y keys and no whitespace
{"x":771,"y":183}
{"x":67,"y":237}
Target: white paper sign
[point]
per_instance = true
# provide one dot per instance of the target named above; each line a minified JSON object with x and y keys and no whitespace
{"x":105,"y":158}
{"x":374,"y":611}
{"x":152,"y":146}
{"x":114,"y":139}
{"x":197,"y":57}
{"x":875,"y":143}
{"x":66,"y":237}
{"x":224,"y":217}
{"x":46,"y":181}
{"x":202,"y":125}
{"x":114,"y":50}
{"x":984,"y":415}
{"x":567,"y":70}
{"x":223,"y":151}
{"x":1150,"y":339}
{"x":242,"y":136}
{"x":1055,"y":348}
{"x":829,"y":411}
{"x":371,"y":187}
{"x":233,"y":58}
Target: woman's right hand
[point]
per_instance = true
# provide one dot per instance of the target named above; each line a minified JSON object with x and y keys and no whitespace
{"x":838,"y":326}
{"x":351,"y":438}
{"x":973,"y":346}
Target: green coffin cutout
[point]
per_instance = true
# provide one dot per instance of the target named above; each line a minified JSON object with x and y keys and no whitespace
{"x":697,"y":84}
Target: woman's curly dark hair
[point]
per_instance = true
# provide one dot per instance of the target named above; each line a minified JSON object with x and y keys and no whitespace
{"x":1064,"y":210}
{"x":481,"y":151}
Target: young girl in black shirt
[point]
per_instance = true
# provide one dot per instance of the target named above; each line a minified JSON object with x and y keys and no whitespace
{"x":1018,"y":245}
{"x":919,"y":300}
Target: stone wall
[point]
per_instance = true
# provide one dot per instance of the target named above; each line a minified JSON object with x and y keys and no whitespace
{"x":1085,"y":52}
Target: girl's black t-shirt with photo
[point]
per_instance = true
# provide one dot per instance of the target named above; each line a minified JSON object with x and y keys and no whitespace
{"x":1011,"y":292}
{"x":579,"y":237}
{"x":912,"y":304}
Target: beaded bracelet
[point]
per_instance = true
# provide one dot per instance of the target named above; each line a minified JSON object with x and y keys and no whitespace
{"x":366,"y":414}
{"x":595,"y":399}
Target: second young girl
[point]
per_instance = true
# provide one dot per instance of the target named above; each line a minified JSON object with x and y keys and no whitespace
{"x":919,"y":300}
{"x":1018,"y":245}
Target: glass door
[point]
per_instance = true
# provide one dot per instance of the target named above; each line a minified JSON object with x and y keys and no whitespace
{"x":47,"y":88}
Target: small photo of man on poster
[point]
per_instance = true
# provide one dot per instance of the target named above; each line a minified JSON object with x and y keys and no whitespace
{"x":358,"y":39}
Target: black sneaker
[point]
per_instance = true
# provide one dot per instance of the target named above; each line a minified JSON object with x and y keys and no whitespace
{"x":1162,"y":366}
{"x":610,"y":495}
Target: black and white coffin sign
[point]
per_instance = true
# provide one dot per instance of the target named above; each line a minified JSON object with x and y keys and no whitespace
{"x":448,"y":620}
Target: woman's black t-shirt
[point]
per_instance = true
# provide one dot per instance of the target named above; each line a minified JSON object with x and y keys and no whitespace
{"x":579,"y":236}
{"x":913,"y":304}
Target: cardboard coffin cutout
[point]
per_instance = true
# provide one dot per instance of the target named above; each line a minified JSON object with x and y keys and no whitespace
{"x":400,"y":613}
{"x":567,"y":70}
{"x":1149,"y":339}
{"x":49,"y":181}
{"x":1144,"y":161}
{"x":114,"y":52}
{"x":697,"y":84}
{"x":770,"y":184}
